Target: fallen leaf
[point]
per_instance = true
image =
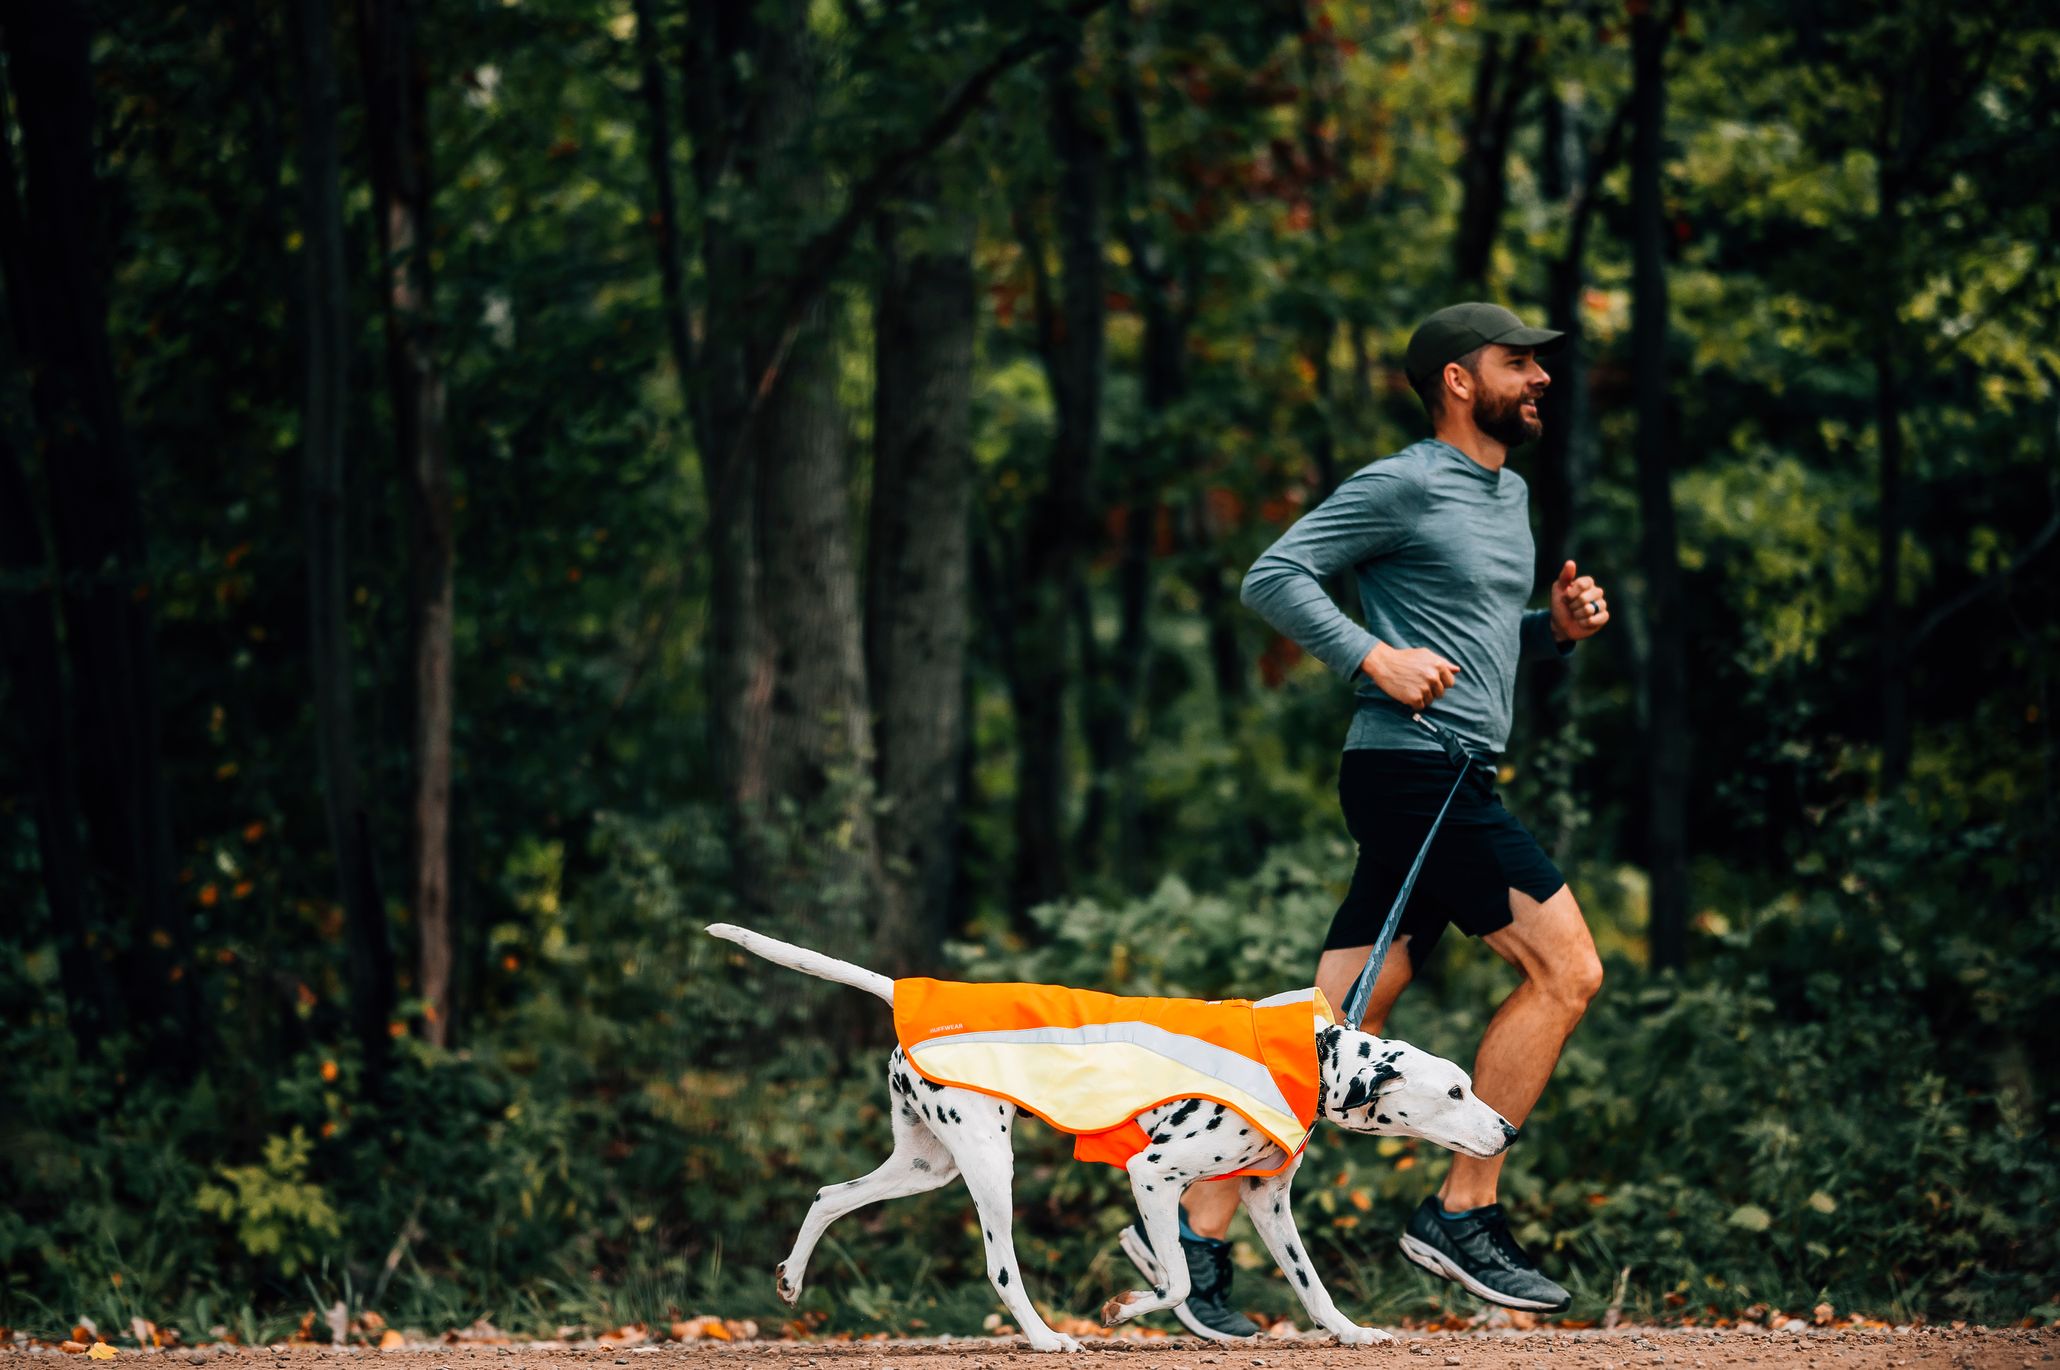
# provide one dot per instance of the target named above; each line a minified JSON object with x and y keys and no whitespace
{"x":391,"y":1339}
{"x":101,"y":1351}
{"x":73,"y":1348}
{"x":696,"y":1329}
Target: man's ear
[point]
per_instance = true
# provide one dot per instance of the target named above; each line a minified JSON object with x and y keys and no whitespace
{"x":1463,"y":387}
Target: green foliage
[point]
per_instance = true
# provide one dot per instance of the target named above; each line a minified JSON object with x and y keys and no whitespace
{"x":278,"y":1215}
{"x":1849,"y":1099}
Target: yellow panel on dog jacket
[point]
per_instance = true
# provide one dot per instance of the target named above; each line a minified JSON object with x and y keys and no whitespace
{"x":1090,"y":1063}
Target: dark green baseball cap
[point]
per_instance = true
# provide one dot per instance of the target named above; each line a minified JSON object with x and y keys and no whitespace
{"x":1458,"y":329}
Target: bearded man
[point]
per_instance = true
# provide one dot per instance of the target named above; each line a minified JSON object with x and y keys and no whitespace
{"x":1438,"y":539}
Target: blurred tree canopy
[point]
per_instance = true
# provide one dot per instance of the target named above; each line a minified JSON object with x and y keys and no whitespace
{"x":488,"y":488}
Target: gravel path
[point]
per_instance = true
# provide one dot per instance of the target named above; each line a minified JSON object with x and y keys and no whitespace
{"x":1924,"y":1348}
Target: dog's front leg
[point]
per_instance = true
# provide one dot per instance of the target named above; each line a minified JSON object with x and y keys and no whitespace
{"x":1157,"y":1187}
{"x":1266,"y":1204}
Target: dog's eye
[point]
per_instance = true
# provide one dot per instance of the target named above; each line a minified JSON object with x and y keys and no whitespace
{"x":1453,"y":1093}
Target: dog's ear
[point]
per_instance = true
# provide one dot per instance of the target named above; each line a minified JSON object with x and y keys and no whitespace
{"x":1366,"y":1085}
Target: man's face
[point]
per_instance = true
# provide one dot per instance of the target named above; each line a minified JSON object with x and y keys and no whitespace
{"x":1505,"y":394}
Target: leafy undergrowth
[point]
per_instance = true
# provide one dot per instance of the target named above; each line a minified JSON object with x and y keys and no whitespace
{"x":1846,"y":1104}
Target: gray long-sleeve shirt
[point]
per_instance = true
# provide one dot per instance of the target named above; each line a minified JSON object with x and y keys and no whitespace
{"x":1441,"y":549}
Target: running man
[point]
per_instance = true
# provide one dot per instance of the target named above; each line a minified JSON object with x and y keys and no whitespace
{"x":1439,"y":540}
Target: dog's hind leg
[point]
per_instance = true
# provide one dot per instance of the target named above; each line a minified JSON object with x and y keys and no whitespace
{"x":976,"y":1129}
{"x":920,"y":1162}
{"x":1266,"y":1204}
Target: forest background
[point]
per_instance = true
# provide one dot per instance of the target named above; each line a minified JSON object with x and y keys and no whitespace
{"x":487,"y":488}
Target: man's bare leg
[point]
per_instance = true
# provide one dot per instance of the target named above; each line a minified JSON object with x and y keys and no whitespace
{"x":1549,"y":943}
{"x":1211,"y":1204}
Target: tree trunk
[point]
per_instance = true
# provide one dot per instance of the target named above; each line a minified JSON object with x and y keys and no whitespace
{"x":397,"y":89}
{"x":326,"y":347}
{"x":1888,"y":428}
{"x":722,"y":43}
{"x":665,"y":231}
{"x":916,"y":571}
{"x":1055,"y":550}
{"x":1565,"y":457}
{"x":1500,"y":84}
{"x":1115,"y":679}
{"x":1665,"y":682}
{"x":29,"y":653}
{"x":820,"y":725}
{"x":36,"y":727}
{"x":97,"y":520}
{"x":1894,"y":662}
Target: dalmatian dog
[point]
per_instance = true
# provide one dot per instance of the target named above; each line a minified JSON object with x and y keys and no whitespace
{"x":1370,"y":1085}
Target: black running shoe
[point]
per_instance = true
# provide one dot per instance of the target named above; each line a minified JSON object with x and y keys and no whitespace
{"x":1477,"y":1251}
{"x":1207,"y":1312}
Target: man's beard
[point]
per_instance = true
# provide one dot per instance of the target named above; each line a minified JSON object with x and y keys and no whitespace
{"x":1505,"y":423}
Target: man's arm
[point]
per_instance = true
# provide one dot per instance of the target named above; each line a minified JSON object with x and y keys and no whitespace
{"x":1540,"y":643}
{"x":1370,"y":514}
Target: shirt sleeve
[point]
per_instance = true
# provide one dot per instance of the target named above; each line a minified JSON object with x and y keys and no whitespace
{"x":1537,"y":641}
{"x":1368,"y":516}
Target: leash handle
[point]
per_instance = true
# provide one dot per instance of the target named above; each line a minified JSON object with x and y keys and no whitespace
{"x":1362,"y":988}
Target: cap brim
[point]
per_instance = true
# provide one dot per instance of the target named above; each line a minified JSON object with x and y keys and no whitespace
{"x":1539,"y":340}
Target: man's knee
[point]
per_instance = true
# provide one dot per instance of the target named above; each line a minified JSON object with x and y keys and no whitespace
{"x":1570,"y":972}
{"x":1578,"y":979}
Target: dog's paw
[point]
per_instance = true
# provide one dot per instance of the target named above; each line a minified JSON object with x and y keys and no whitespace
{"x":1363,"y":1336}
{"x":1133,"y":1303}
{"x":788,"y":1292}
{"x":1053,"y":1341}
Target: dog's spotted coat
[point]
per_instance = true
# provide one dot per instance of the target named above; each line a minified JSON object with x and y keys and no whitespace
{"x":942,"y":1133}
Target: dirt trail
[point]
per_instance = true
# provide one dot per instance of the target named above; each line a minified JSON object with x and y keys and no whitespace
{"x":1927,"y":1348}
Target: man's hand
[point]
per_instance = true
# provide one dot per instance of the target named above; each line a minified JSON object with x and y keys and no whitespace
{"x":1579,"y":608}
{"x":1413,"y":675}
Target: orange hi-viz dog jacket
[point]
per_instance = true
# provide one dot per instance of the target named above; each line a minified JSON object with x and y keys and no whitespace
{"x":1090,"y":1063}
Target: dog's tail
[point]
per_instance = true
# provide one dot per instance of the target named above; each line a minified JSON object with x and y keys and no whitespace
{"x":806,"y":961}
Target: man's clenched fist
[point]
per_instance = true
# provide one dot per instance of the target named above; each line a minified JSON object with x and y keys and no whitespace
{"x":1410,"y":675}
{"x":1579,"y":608}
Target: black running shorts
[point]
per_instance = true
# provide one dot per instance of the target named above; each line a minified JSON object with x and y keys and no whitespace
{"x":1481,"y":854}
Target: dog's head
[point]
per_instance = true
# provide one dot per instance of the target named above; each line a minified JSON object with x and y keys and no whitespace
{"x":1390,"y":1089}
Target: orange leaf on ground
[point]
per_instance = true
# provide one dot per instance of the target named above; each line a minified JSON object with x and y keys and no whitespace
{"x":101,"y":1351}
{"x":391,"y":1339}
{"x":696,"y":1329}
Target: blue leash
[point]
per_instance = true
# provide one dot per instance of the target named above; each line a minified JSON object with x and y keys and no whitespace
{"x":1362,"y":988}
